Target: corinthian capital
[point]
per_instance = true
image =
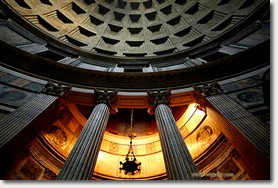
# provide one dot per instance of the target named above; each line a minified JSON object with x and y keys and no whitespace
{"x":209,"y":89}
{"x":156,"y":98}
{"x":108,"y":98}
{"x":55,"y":89}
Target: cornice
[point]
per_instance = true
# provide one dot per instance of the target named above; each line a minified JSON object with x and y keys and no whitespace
{"x":33,"y":65}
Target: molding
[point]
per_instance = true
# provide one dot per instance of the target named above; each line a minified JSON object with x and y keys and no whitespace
{"x":131,"y":102}
{"x":240,"y":63}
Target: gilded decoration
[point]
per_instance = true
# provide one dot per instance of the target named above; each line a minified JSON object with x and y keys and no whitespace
{"x":204,"y":135}
{"x":147,"y":148}
{"x":114,"y":147}
{"x":58,"y":136}
{"x":150,"y":147}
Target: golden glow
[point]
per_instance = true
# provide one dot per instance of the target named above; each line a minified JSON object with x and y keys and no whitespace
{"x":108,"y":164}
{"x":197,"y":129}
{"x":193,"y":125}
{"x":190,"y":120}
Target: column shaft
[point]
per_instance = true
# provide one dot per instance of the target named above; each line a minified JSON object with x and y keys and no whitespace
{"x":249,"y":135}
{"x":21,"y":126}
{"x":178,"y":161}
{"x":82,"y":159}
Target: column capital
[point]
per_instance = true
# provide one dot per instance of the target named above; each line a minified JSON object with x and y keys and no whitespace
{"x":209,"y":89}
{"x":108,"y":98}
{"x":199,"y":98}
{"x":55,"y":89}
{"x":156,"y":98}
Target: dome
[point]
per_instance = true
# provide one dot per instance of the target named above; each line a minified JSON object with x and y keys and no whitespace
{"x":128,"y":29}
{"x":162,"y":39}
{"x":143,"y":28}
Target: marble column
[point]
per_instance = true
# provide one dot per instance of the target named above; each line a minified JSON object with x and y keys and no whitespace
{"x":21,"y":126}
{"x":82,"y":159}
{"x":178,"y":161}
{"x":249,"y":135}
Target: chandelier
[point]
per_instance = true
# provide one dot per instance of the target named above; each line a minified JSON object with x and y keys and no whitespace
{"x":131,"y":166}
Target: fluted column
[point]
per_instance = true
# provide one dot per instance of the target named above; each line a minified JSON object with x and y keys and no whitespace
{"x":22,"y":125}
{"x":81,"y":161}
{"x":249,"y":135}
{"x":178,"y":161}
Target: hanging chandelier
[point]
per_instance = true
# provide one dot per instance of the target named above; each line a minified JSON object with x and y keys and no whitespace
{"x":131,"y":166}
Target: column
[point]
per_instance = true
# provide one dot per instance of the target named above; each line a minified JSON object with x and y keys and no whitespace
{"x":248,"y":134}
{"x":81,"y":161}
{"x":21,"y":127}
{"x":21,"y":118}
{"x":178,"y":161}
